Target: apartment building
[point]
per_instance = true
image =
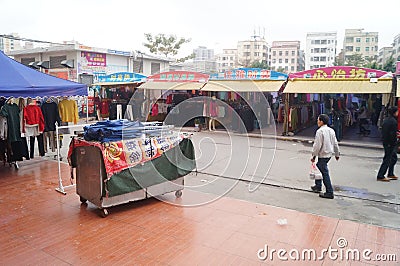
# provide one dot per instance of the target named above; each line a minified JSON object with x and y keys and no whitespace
{"x":204,"y":61}
{"x":286,"y":56}
{"x":396,"y":47}
{"x":8,"y":45}
{"x":320,"y":49}
{"x":384,"y":54}
{"x":227,"y":60}
{"x":251,"y":51}
{"x":360,"y":42}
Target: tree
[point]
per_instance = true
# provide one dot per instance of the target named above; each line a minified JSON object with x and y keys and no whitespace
{"x":260,"y":64}
{"x":166,"y":45}
{"x":390,"y":65}
{"x":370,"y":62}
{"x":355,"y":59}
{"x":280,"y":69}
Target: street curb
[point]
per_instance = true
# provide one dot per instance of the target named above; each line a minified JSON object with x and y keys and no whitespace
{"x":302,"y":140}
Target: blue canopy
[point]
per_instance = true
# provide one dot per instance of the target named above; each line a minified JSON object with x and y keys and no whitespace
{"x":18,"y":80}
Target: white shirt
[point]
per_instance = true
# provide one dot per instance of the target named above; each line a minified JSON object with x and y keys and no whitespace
{"x":325,"y":143}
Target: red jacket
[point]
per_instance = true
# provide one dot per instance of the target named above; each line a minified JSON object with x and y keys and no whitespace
{"x":33,"y":116}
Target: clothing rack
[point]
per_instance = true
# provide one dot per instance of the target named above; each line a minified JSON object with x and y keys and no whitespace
{"x":149,"y":129}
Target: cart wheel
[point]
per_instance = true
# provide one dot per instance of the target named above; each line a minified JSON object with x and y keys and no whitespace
{"x":83,"y":200}
{"x":178,"y":193}
{"x":104,"y":213}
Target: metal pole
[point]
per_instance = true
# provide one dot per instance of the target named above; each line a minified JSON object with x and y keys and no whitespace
{"x":60,"y":185}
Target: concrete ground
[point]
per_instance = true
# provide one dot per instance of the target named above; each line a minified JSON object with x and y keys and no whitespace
{"x":274,"y":171}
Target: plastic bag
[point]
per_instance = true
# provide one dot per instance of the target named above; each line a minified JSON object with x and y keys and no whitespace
{"x":315,"y":173}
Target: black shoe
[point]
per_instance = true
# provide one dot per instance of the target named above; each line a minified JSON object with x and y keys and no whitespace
{"x":326,"y":195}
{"x":315,"y":189}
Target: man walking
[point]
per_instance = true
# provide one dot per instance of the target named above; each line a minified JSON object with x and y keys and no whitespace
{"x":389,"y":136}
{"x":325,"y":144}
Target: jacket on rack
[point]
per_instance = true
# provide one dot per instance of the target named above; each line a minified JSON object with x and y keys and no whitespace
{"x":51,"y":116}
{"x":11,"y":111}
{"x":68,"y":111}
{"x":33,"y":116}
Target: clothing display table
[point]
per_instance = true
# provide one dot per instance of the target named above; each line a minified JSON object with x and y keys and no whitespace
{"x":113,"y":173}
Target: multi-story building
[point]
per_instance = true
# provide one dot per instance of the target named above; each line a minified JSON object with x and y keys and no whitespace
{"x":286,"y":56}
{"x":320,"y":49}
{"x":396,"y":48}
{"x":227,"y":60}
{"x":356,"y":41}
{"x":204,"y":61}
{"x":384,"y":54}
{"x":8,"y":44}
{"x":251,"y":51}
{"x":75,"y":61}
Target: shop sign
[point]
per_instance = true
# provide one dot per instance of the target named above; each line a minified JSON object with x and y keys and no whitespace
{"x":94,"y":59}
{"x":122,"y":77}
{"x":340,"y":72}
{"x":250,"y":73}
{"x":179,"y":76}
{"x":118,"y":52}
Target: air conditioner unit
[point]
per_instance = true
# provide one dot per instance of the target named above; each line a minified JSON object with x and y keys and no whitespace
{"x":68,"y":63}
{"x":44,"y":64}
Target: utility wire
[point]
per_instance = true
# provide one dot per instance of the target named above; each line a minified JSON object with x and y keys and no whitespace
{"x":26,"y":39}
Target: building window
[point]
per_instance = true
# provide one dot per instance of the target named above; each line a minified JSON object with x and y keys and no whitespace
{"x":280,"y":53}
{"x":256,"y":54}
{"x":316,"y":58}
{"x":366,"y":39}
{"x":292,"y":61}
{"x":286,"y":60}
{"x":312,"y":51}
{"x":287,"y":53}
{"x":349,"y":39}
{"x":358,"y":39}
{"x":286,"y":68}
{"x":323,"y":41}
{"x":274,"y":53}
{"x":55,"y":61}
{"x":247,"y":47}
{"x":292,"y":68}
{"x":367,"y":49}
{"x":323,"y":50}
{"x":231,"y":57}
{"x":293,"y":53}
{"x":273,"y":61}
{"x":329,"y":41}
{"x":322,"y":58}
{"x":357,"y":49}
{"x":280,"y":60}
{"x":155,"y":68}
{"x":317,"y":42}
{"x":316,"y":50}
{"x":349,"y":48}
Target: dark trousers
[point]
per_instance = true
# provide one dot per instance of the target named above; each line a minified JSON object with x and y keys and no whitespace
{"x":389,"y":161}
{"x":40,"y":145}
{"x":322,"y":165}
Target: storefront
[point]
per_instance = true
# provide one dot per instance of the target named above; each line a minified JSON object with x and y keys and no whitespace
{"x":163,"y":92}
{"x":111,"y":95}
{"x":341,"y":92}
{"x":251,"y":93}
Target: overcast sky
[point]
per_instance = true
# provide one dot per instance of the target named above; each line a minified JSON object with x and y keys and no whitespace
{"x":120,"y":25}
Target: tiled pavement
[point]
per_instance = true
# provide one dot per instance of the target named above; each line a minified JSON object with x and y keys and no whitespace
{"x":42,"y":227}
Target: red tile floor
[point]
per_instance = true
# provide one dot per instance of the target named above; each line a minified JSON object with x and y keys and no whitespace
{"x":42,"y":227}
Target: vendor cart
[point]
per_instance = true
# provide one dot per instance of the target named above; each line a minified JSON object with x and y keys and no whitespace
{"x":105,"y":187}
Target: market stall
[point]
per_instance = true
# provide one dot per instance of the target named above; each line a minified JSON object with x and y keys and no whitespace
{"x":252,"y":93}
{"x":18,"y":82}
{"x":113,"y":93}
{"x":165,"y":91}
{"x":121,"y":161}
{"x":340,"y":92}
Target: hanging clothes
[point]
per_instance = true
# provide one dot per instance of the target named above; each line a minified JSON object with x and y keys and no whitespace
{"x":68,"y":110}
{"x":11,"y":112}
{"x":33,"y":116}
{"x":51,"y":117}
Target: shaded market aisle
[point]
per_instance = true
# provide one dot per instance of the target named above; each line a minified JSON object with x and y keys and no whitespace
{"x":41,"y":226}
